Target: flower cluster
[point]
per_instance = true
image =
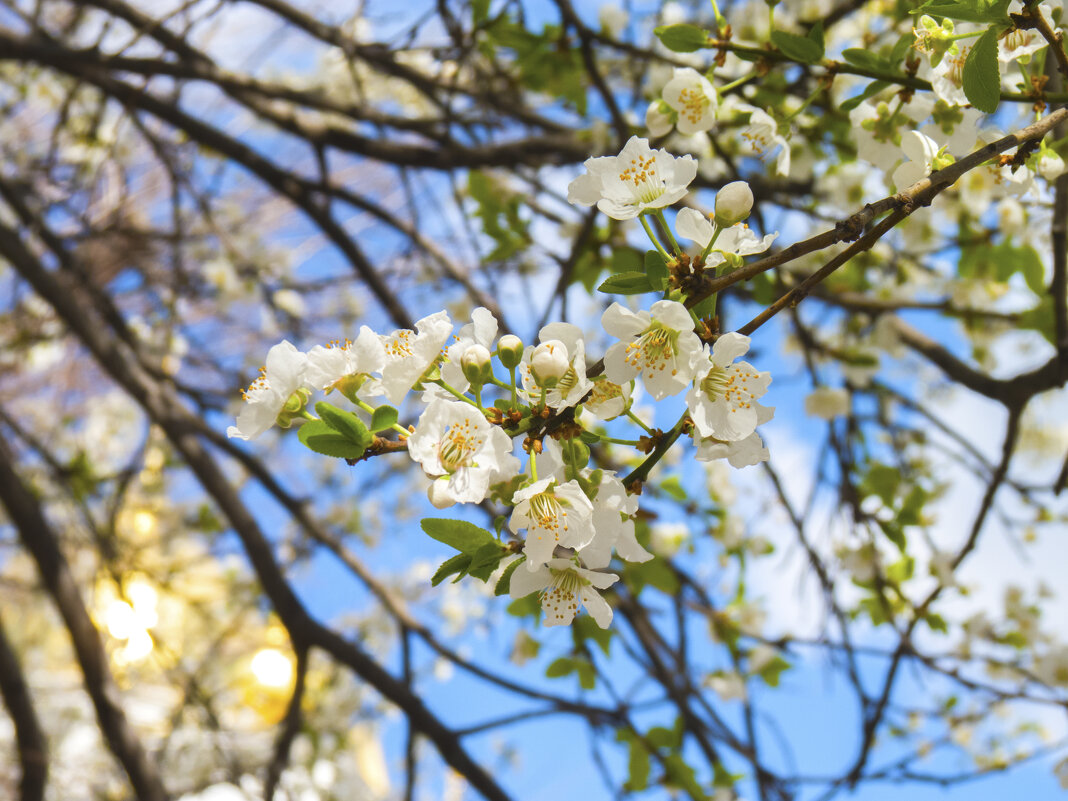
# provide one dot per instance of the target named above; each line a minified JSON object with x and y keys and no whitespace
{"x":567,"y":518}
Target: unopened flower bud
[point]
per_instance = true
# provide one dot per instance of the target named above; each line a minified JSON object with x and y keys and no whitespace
{"x":510,"y":350}
{"x":475,"y":363}
{"x":549,"y":362}
{"x":733,"y":203}
{"x":439,"y":496}
{"x":658,"y":118}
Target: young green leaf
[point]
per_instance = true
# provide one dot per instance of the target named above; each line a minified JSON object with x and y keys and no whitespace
{"x":505,"y":581}
{"x":459,"y":534}
{"x":321,"y":438}
{"x":626,"y":284}
{"x":383,"y":418}
{"x":982,"y":76}
{"x":655,"y":269}
{"x":799,"y":48}
{"x":347,"y":424}
{"x":455,"y":564}
{"x":682,"y":38}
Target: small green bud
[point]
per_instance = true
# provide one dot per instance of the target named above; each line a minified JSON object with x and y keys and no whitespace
{"x":510,"y":351}
{"x":734,"y":202}
{"x":475,"y":363}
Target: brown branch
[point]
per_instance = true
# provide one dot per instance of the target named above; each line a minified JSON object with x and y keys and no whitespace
{"x":32,"y":746}
{"x":38,"y":537}
{"x":123,"y":365}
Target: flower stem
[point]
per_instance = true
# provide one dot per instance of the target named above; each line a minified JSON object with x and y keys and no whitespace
{"x":653,"y":238}
{"x":639,"y":421}
{"x":659,"y":214}
{"x":454,"y":392}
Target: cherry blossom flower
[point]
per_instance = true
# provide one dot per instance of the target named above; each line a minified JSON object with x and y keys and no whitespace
{"x":608,"y":399}
{"x":740,"y":453}
{"x":553,"y":514}
{"x":763,"y":137}
{"x":480,"y":331}
{"x":659,"y":118}
{"x":409,"y":354}
{"x":267,"y":395}
{"x":613,"y":525}
{"x":1020,"y":43}
{"x":694,"y":98}
{"x":947,"y":77}
{"x":563,"y":586}
{"x":828,"y":402}
{"x":329,"y":365}
{"x":639,"y":178}
{"x":558,"y":365}
{"x":921,"y":151}
{"x":722,"y":401}
{"x":454,"y":443}
{"x":659,"y":343}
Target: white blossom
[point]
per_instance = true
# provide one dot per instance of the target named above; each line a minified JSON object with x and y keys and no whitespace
{"x":638,"y":179}
{"x":455,"y":443}
{"x":558,"y":365}
{"x":723,"y":399}
{"x":480,"y":331}
{"x":660,"y":344}
{"x":267,"y":395}
{"x":740,"y":453}
{"x":763,"y":137}
{"x":921,"y":152}
{"x":608,"y":399}
{"x":691,"y":95}
{"x":563,"y":586}
{"x":659,"y":119}
{"x":409,"y":354}
{"x":552,"y":514}
{"x":613,"y":525}
{"x":734,"y":202}
{"x":947,"y":78}
{"x":329,"y":365}
{"x":828,"y":402}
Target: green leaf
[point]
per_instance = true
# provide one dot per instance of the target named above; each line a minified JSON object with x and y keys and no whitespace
{"x":348,"y":424}
{"x":626,"y":284}
{"x":872,"y":88}
{"x":455,"y":564}
{"x":798,"y":48}
{"x":505,"y":581}
{"x":967,"y":10}
{"x":982,"y":76}
{"x":771,"y":672}
{"x":321,"y":438}
{"x":479,"y":10}
{"x":655,"y":269}
{"x":587,"y":676}
{"x":563,"y":666}
{"x":459,"y":534}
{"x":682,"y":38}
{"x":485,"y":560}
{"x":865,"y":59}
{"x":585,"y":628}
{"x":383,"y":418}
{"x":901,"y":49}
{"x":815,"y":33}
{"x":637,"y":762}
{"x":936,"y":622}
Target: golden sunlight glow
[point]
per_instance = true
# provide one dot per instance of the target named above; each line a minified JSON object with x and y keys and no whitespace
{"x":272,"y":668}
{"x":144,"y":522}
{"x":120,"y":619}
